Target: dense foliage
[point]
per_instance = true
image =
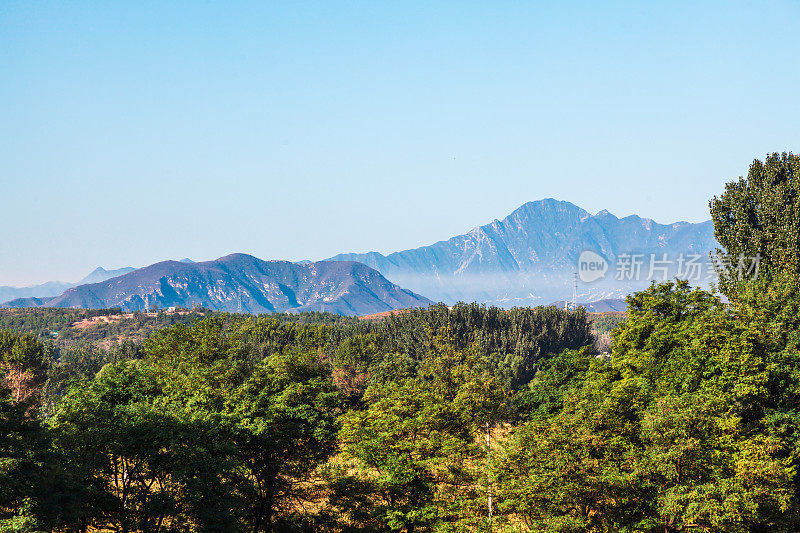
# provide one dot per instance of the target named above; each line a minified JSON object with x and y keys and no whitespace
{"x":272,"y":423}
{"x":603,"y":323}
{"x":757,"y":216}
{"x":68,"y":328}
{"x":462,"y":419}
{"x":690,"y":424}
{"x":44,"y":322}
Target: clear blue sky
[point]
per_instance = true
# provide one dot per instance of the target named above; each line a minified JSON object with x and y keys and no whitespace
{"x":132,"y":132}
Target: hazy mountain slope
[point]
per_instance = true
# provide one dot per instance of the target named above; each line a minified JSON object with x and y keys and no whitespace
{"x":240,"y":282}
{"x":27,"y":302}
{"x":55,"y":288}
{"x":50,"y":288}
{"x":529,"y":257}
{"x":101,"y":274}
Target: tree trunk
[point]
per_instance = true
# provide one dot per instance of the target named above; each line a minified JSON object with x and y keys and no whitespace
{"x":488,"y":470}
{"x":263,"y":518}
{"x":268,"y":519}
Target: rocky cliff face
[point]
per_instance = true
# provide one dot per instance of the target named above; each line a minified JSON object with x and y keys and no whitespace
{"x":245,"y":283}
{"x":530,"y":256}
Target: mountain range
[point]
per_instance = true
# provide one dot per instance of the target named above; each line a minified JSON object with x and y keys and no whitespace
{"x":35,"y":295}
{"x":54,"y":288}
{"x":530,"y":257}
{"x":243,"y":283}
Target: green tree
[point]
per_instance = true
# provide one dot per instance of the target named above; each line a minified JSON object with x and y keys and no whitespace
{"x":272,"y":401}
{"x":760,"y":216}
{"x":704,"y":471}
{"x":136,"y":464}
{"x":25,"y":461}
{"x":417,"y":447}
{"x":572,"y":470}
{"x":22,"y":364}
{"x":688,"y":425}
{"x":556,"y":376}
{"x":283,"y":423}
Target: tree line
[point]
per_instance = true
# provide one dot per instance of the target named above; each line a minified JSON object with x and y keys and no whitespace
{"x":462,"y":419}
{"x":259,"y":423}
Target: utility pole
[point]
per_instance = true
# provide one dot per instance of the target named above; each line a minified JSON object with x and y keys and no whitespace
{"x":489,"y":471}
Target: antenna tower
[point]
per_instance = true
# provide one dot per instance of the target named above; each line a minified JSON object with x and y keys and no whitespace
{"x":575,"y":292}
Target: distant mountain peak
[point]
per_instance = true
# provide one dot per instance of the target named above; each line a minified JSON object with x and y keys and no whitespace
{"x":549,"y":202}
{"x":37,"y":294}
{"x":529,"y":257}
{"x":549,"y":208}
{"x":100,"y":274}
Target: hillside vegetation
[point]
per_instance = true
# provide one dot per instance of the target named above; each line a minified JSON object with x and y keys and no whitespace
{"x":462,"y":419}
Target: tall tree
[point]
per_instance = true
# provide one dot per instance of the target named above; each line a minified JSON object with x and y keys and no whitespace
{"x":417,"y":447}
{"x":272,"y":401}
{"x":22,"y":364}
{"x":689,"y":425}
{"x":282,"y":421}
{"x":26,"y":488}
{"x":135,"y":463}
{"x":760,"y":216}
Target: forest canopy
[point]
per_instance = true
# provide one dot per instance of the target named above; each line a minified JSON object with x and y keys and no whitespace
{"x":468,"y":418}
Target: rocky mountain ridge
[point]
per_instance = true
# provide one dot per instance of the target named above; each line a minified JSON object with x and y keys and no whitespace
{"x":243,"y":283}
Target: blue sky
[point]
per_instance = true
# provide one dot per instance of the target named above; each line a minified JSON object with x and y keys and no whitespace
{"x":136,"y":132}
